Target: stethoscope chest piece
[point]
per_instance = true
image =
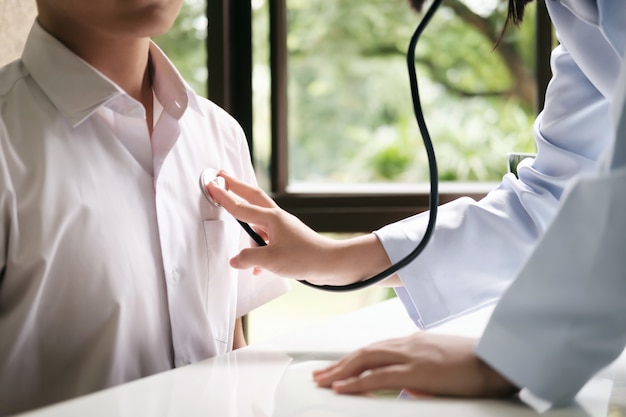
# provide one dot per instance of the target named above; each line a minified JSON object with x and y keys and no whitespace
{"x":210,"y":176}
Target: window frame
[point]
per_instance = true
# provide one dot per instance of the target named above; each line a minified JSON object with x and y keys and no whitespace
{"x":229,"y":45}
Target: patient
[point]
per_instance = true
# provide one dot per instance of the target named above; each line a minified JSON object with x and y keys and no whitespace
{"x":113,"y":266}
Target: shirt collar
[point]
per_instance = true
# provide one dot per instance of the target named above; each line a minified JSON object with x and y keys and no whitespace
{"x":64,"y":77}
{"x":169,"y":87}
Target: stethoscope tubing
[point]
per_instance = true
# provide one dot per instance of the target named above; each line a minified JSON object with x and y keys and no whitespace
{"x":432,"y":167}
{"x":206,"y":176}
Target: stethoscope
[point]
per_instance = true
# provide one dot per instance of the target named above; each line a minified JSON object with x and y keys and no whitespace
{"x":210,"y":175}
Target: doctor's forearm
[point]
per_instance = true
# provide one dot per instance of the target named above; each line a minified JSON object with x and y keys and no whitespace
{"x":360,"y":258}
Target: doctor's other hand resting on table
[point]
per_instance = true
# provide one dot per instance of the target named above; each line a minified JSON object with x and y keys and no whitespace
{"x":420,"y":364}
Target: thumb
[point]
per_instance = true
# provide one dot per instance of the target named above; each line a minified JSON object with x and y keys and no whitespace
{"x":250,"y":258}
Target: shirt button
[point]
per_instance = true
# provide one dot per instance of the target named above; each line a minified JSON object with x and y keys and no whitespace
{"x":174,"y":277}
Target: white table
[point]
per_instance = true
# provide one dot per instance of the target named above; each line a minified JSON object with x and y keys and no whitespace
{"x":274,"y":379}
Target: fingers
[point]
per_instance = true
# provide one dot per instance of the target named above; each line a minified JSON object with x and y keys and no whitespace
{"x":385,"y":378}
{"x":353,"y":367}
{"x":254,"y":195}
{"x":259,"y":257}
{"x":240,"y":209}
{"x":245,"y":258}
{"x":251,"y":205}
{"x":362,"y":372}
{"x":421,"y":363}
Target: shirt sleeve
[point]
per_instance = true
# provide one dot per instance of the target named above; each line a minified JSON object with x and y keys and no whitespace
{"x":478,"y":246}
{"x":562,"y":320}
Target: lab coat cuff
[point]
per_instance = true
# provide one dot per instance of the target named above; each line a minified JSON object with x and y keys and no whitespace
{"x":418,"y":292}
{"x":537,"y":403}
{"x":508,"y":355}
{"x":422,"y":297}
{"x":405,"y":298}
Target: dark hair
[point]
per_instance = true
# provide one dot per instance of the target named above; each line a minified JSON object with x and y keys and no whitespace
{"x":516,"y":11}
{"x":417,"y":4}
{"x":514,"y":15}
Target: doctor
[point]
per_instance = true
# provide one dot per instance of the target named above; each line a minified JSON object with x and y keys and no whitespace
{"x":477,"y":246}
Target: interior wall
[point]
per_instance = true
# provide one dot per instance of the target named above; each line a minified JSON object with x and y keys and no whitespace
{"x":16,"y":19}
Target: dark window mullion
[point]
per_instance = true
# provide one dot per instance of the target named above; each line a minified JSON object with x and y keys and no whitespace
{"x":279,"y":163}
{"x":218,"y":52}
{"x":543,"y":50}
{"x":229,"y":46}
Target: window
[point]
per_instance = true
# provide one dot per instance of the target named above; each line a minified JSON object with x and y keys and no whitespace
{"x":333,"y":137}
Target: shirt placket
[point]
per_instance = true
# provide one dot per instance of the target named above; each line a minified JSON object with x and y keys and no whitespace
{"x":164,"y":136}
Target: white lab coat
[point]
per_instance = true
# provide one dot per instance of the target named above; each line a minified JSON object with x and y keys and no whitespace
{"x":477,"y":247}
{"x":563,"y":318}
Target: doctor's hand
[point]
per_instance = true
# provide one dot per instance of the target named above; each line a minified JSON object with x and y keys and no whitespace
{"x":293,"y":249}
{"x":421,"y":364}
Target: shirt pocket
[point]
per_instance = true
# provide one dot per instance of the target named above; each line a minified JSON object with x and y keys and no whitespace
{"x":222,"y":242}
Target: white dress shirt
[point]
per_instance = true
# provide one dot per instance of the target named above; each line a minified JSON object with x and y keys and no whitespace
{"x":478,"y":246}
{"x":113,"y":265}
{"x":563,"y":318}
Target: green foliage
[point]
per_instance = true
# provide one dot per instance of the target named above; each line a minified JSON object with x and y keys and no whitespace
{"x":350,"y":111}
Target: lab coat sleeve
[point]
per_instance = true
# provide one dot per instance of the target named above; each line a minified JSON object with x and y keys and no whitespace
{"x":562,"y":320}
{"x":477,"y":246}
